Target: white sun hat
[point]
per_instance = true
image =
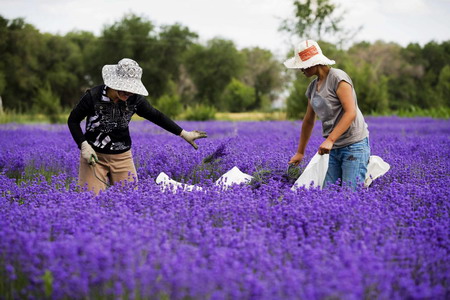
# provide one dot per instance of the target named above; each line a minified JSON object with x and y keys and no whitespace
{"x":125,"y":76}
{"x":307,"y":54}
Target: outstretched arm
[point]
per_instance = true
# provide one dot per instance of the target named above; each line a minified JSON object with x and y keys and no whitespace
{"x":307,"y":127}
{"x":152,"y":114}
{"x":147,"y":111}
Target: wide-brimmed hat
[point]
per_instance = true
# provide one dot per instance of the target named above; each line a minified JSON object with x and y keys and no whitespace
{"x":307,"y":54}
{"x":125,"y":76}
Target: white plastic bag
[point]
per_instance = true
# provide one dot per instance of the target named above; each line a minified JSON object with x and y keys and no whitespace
{"x":377,"y":167}
{"x":233,"y":176}
{"x":167,"y":183}
{"x":314,"y":173}
{"x":317,"y":168}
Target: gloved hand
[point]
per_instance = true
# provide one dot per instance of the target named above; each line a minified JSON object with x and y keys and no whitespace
{"x":191,"y":136}
{"x":88,"y":153}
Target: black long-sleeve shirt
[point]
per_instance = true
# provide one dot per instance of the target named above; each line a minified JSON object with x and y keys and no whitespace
{"x":107,"y":122}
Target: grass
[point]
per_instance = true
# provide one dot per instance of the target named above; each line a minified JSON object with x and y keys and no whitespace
{"x":438,"y":113}
{"x":30,"y":118}
{"x":251,"y":116}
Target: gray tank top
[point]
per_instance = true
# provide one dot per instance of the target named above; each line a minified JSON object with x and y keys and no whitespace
{"x":328,"y":108}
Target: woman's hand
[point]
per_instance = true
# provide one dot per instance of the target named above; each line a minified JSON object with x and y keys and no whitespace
{"x":88,"y":153}
{"x":296,"y":159}
{"x":191,"y":136}
{"x":325,"y":147}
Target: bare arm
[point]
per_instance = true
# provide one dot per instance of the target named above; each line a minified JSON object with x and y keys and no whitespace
{"x":307,"y":127}
{"x":345,"y":95}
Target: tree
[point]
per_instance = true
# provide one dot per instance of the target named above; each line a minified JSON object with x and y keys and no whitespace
{"x":371,"y":88}
{"x":297,"y":102}
{"x":170,"y":103}
{"x":21,"y":64}
{"x":443,"y":87}
{"x":85,"y":44}
{"x":47,"y":103}
{"x":212,"y":67}
{"x":63,"y":69}
{"x":175,"y":41}
{"x":3,"y":47}
{"x":315,"y":19}
{"x":436,"y":57}
{"x":131,"y":37}
{"x":237,"y":97}
{"x":169,"y":52}
{"x":263,"y":72}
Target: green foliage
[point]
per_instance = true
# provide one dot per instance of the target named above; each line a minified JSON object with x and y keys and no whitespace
{"x":296,"y":102}
{"x":264,"y":73}
{"x":206,"y":169}
{"x":260,"y":176}
{"x":237,"y":97}
{"x":315,"y":19}
{"x":9,"y":287}
{"x":131,"y":37}
{"x":170,"y":105}
{"x":414,"y":111}
{"x":20,"y":63}
{"x":2,"y":82}
{"x":212,"y":68}
{"x":174,"y":43}
{"x":200,"y":112}
{"x":179,"y":71}
{"x":46,"y":102}
{"x":443,"y":87}
{"x":47,"y":278}
{"x":13,"y":116}
{"x":371,"y":90}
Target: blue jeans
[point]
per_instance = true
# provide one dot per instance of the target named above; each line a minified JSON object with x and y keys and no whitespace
{"x":349,"y":164}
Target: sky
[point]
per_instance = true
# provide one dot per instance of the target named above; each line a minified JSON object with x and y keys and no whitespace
{"x":249,"y":23}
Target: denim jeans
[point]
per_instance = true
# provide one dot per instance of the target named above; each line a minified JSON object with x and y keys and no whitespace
{"x":349,"y":164}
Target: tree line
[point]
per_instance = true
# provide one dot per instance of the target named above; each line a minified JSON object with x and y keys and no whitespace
{"x":48,"y":73}
{"x":388,"y":77}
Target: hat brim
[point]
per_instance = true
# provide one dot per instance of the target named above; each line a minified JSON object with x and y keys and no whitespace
{"x":320,"y":59}
{"x":131,"y":85}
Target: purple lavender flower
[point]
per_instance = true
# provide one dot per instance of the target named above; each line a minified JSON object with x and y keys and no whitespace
{"x":257,"y":241}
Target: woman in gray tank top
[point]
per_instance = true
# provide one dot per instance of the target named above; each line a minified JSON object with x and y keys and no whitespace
{"x":332,"y":98}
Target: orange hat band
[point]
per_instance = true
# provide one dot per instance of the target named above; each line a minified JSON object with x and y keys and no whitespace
{"x":308,"y":53}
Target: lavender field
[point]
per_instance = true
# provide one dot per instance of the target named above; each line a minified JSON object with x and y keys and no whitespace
{"x":254,"y":241}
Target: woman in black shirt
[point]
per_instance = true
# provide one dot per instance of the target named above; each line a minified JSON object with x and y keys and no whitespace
{"x":106,"y":144}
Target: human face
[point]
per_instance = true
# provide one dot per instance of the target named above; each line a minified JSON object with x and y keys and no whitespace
{"x":124,"y":95}
{"x":116,"y":95}
{"x":308,"y":72}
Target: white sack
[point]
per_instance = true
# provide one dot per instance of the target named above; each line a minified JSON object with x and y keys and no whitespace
{"x":317,"y":168}
{"x":377,"y":167}
{"x":233,"y":176}
{"x":167,"y":183}
{"x":314,"y":172}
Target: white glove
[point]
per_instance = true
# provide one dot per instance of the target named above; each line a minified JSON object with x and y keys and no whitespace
{"x":191,"y":136}
{"x":88,"y":153}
